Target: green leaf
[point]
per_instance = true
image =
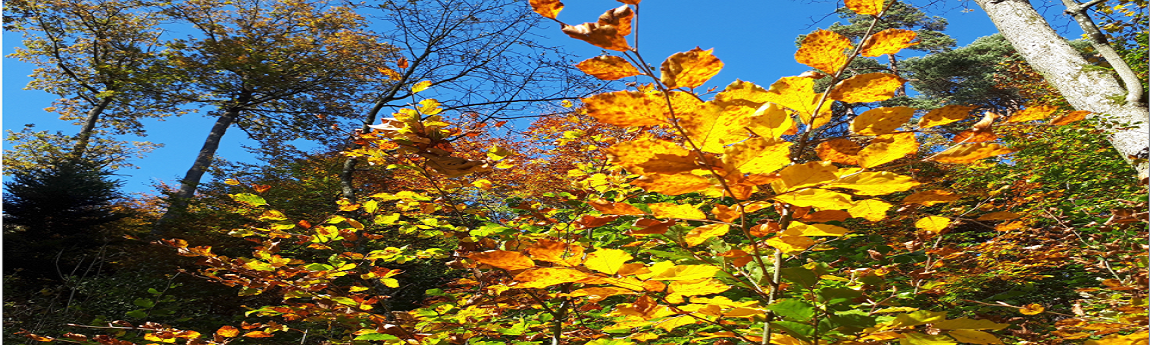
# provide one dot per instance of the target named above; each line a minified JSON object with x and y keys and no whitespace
{"x":831,"y":296}
{"x":793,"y":308}
{"x":376,"y":337}
{"x":798,"y":330}
{"x":801,"y":276}
{"x":250,"y":199}
{"x":139,"y":314}
{"x":144,"y":302}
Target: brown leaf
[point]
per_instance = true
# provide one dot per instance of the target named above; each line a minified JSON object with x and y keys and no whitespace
{"x":546,"y":8}
{"x":610,"y":32}
{"x":608,"y":67}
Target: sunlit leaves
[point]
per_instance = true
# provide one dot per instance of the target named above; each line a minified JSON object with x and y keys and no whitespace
{"x":1032,"y":309}
{"x":875,"y":183}
{"x":690,"y":69}
{"x":824,"y":50}
{"x":547,"y":8}
{"x":842,"y":151}
{"x":800,"y":229}
{"x":797,"y":93}
{"x":870,"y":87}
{"x":758,"y":155}
{"x":228,"y":332}
{"x":711,"y":128}
{"x":945,"y":115}
{"x":932,"y":223}
{"x":608,"y":67}
{"x":865,"y":7}
{"x":970,"y":153}
{"x":546,"y":276}
{"x":803,"y":175}
{"x":503,"y":259}
{"x":1033,"y":113}
{"x":627,"y":108}
{"x":870,"y":209}
{"x":930,"y":197}
{"x":1072,"y":117}
{"x":974,"y":337}
{"x":680,"y":288}
{"x":889,"y":41}
{"x":883,"y":120}
{"x":609,"y":32}
{"x":700,"y":234}
{"x":617,"y":208}
{"x":886,"y":148}
{"x":790,"y":244}
{"x":665,"y":210}
{"x":682,"y":272}
{"x":771,"y":121}
{"x":607,"y":261}
{"x":820,"y":198}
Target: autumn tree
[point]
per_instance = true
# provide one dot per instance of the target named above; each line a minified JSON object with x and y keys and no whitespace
{"x":480,"y":54}
{"x":286,"y":71}
{"x":101,"y":58}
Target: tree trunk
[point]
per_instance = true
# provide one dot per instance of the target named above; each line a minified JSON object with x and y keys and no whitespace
{"x":85,"y":135}
{"x":179,"y":201}
{"x":1126,"y":123}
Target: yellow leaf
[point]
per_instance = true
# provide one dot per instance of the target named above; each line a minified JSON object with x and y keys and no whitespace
{"x":232,"y":182}
{"x":1033,"y":113}
{"x":666,"y":210}
{"x":819,"y":198}
{"x":888,"y":41}
{"x":690,"y":69}
{"x":503,"y":259}
{"x":945,"y":115}
{"x":741,"y":94}
{"x":878,"y":121}
{"x":701,"y":234}
{"x":644,"y":336}
{"x":546,"y":276}
{"x":870,"y":209}
{"x":627,"y":108}
{"x":824,"y":50}
{"x":801,"y":229}
{"x":916,"y":338}
{"x":1000,"y":215}
{"x":547,"y":8}
{"x":1032,"y":309}
{"x":608,"y":261}
{"x":886,"y":148}
{"x":1073,"y":116}
{"x":843,"y":151}
{"x":608,"y":67}
{"x":483,"y":184}
{"x":967,"y":323}
{"x":683,"y":272}
{"x":600,"y":292}
{"x":930,"y":197}
{"x":711,"y":128}
{"x":790,"y":244}
{"x":1139,"y":338}
{"x":697,"y":287}
{"x":797,"y":93}
{"x":804,"y":175}
{"x":652,"y":156}
{"x":610,"y":32}
{"x":970,"y":153}
{"x":865,"y":7}
{"x":875,"y":183}
{"x":870,"y":87}
{"x":257,"y":334}
{"x":420,"y":86}
{"x":771,"y":121}
{"x":758,"y":155}
{"x":673,"y":184}
{"x":672,"y":323}
{"x":932,"y":223}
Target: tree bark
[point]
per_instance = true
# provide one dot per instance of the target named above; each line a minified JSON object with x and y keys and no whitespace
{"x":179,"y":201}
{"x":85,"y":135}
{"x":1126,"y":123}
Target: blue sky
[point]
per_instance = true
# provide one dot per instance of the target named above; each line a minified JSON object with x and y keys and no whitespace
{"x":755,"y":40}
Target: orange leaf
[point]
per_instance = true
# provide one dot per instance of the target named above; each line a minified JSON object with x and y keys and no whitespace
{"x":616,"y":208}
{"x":804,"y":175}
{"x":1032,"y":309}
{"x":797,"y":93}
{"x":547,"y":276}
{"x":228,"y":331}
{"x":870,"y":87}
{"x":970,"y":153}
{"x":701,"y":234}
{"x":726,"y":213}
{"x":676,"y":184}
{"x":546,"y":8}
{"x":260,"y":188}
{"x":815,"y":197}
{"x":824,"y":50}
{"x":790,"y":244}
{"x":556,"y":252}
{"x":886,"y":148}
{"x":257,"y":334}
{"x":826,"y":216}
{"x":1073,"y":116}
{"x":1033,"y":113}
{"x":930,"y":197}
{"x":503,"y":259}
{"x":610,"y":32}
{"x":881,"y":120}
{"x":646,"y":157}
{"x":758,"y":155}
{"x":627,"y":108}
{"x":945,"y":115}
{"x":608,"y":67}
{"x":690,"y":69}
{"x":864,"y":7}
{"x":1000,"y":215}
{"x":843,"y":151}
{"x":888,"y":41}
